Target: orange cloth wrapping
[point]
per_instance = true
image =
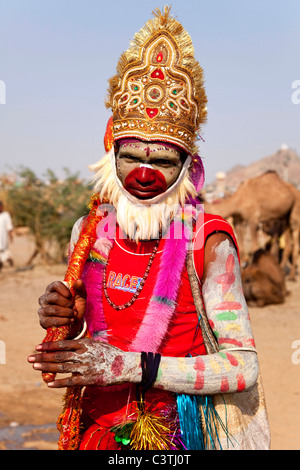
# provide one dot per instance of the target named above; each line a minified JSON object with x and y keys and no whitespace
{"x":69,"y":420}
{"x":80,"y":253}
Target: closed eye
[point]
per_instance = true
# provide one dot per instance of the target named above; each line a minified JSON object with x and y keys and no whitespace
{"x":162,"y":161}
{"x":130,"y":158}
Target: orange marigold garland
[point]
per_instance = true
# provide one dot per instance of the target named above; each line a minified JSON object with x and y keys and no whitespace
{"x":69,"y":420}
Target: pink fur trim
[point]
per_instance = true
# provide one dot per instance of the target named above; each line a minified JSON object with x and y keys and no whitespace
{"x":153,"y":328}
{"x":94,"y":314}
{"x":163,"y":302}
{"x":161,"y":306}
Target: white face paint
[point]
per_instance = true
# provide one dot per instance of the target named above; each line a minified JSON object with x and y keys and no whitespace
{"x":170,"y":166}
{"x":146,"y":165}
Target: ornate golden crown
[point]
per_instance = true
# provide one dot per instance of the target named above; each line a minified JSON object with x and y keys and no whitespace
{"x":158,"y":92}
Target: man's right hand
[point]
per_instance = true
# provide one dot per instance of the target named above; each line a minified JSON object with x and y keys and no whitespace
{"x":58,"y":307}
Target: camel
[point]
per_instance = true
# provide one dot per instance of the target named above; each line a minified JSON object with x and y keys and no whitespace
{"x":292,"y":236}
{"x":263,"y":280}
{"x":263,"y":202}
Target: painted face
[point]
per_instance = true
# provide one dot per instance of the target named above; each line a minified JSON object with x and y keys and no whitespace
{"x":147,"y":169}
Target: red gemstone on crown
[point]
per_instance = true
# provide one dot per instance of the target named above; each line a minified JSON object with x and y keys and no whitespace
{"x":152,"y":112}
{"x":159,"y":57}
{"x":158,"y":74}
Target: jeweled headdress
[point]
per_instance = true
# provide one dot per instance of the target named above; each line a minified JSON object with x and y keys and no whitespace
{"x":158,"y":92}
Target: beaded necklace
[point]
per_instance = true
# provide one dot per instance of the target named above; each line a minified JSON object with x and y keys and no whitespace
{"x":140,"y":287}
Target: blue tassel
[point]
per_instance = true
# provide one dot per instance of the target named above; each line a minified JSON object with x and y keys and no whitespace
{"x":190,"y":422}
{"x":212,"y":418}
{"x":199,"y":430}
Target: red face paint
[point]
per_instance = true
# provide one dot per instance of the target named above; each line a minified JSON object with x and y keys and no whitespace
{"x":145,"y":183}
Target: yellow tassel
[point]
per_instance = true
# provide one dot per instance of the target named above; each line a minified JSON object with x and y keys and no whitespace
{"x":150,"y":432}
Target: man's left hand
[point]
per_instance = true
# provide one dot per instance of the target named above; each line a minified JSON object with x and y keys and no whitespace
{"x":90,"y":362}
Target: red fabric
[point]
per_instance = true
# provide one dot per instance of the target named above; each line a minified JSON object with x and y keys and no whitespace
{"x":102,"y":411}
{"x":124,"y":270}
{"x":98,"y":438}
{"x":208,"y":224}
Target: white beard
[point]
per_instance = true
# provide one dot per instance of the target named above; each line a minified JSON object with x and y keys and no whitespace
{"x":140,"y":220}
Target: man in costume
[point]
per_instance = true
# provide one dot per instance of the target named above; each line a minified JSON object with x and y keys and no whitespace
{"x":152,"y":364}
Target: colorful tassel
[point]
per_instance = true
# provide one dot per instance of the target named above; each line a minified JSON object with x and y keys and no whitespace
{"x":153,"y":432}
{"x":211,"y":421}
{"x":199,"y":422}
{"x":123,"y":433}
{"x":190,"y":424}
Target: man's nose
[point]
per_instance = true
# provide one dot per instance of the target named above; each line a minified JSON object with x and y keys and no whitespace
{"x":145,"y":176}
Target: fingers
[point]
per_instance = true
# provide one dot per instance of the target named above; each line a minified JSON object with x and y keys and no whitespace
{"x":77,"y":371}
{"x":57,"y":294}
{"x":79,"y":289}
{"x":55,"y":298}
{"x":58,"y":288}
{"x":61,"y":357}
{"x":68,"y":345}
{"x":56,"y":306}
{"x":56,"y":351}
{"x":55,"y":316}
{"x":74,"y":381}
{"x":62,"y":368}
{"x":80,"y":296}
{"x":59,"y":308}
{"x":54,"y":357}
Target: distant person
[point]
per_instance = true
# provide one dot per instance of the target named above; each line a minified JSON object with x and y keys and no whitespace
{"x":6,"y":236}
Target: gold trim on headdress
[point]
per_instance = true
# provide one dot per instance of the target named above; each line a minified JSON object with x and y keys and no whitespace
{"x":158,"y":92}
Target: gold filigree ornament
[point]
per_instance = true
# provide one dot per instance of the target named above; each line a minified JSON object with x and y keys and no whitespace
{"x":158,"y":92}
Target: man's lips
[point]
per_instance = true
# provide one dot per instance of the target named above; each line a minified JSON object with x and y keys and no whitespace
{"x":145,"y":183}
{"x":142,"y":192}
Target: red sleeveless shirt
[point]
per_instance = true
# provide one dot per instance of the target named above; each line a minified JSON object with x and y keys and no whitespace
{"x":125,"y":269}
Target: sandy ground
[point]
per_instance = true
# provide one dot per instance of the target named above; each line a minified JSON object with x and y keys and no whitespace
{"x":28,"y":410}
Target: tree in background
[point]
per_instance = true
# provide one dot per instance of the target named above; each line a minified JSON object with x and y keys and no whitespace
{"x":48,"y":207}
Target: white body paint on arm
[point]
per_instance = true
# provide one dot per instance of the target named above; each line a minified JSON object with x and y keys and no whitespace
{"x":235,"y":366}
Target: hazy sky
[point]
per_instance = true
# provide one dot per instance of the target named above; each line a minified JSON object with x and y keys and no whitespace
{"x":57,"y":55}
